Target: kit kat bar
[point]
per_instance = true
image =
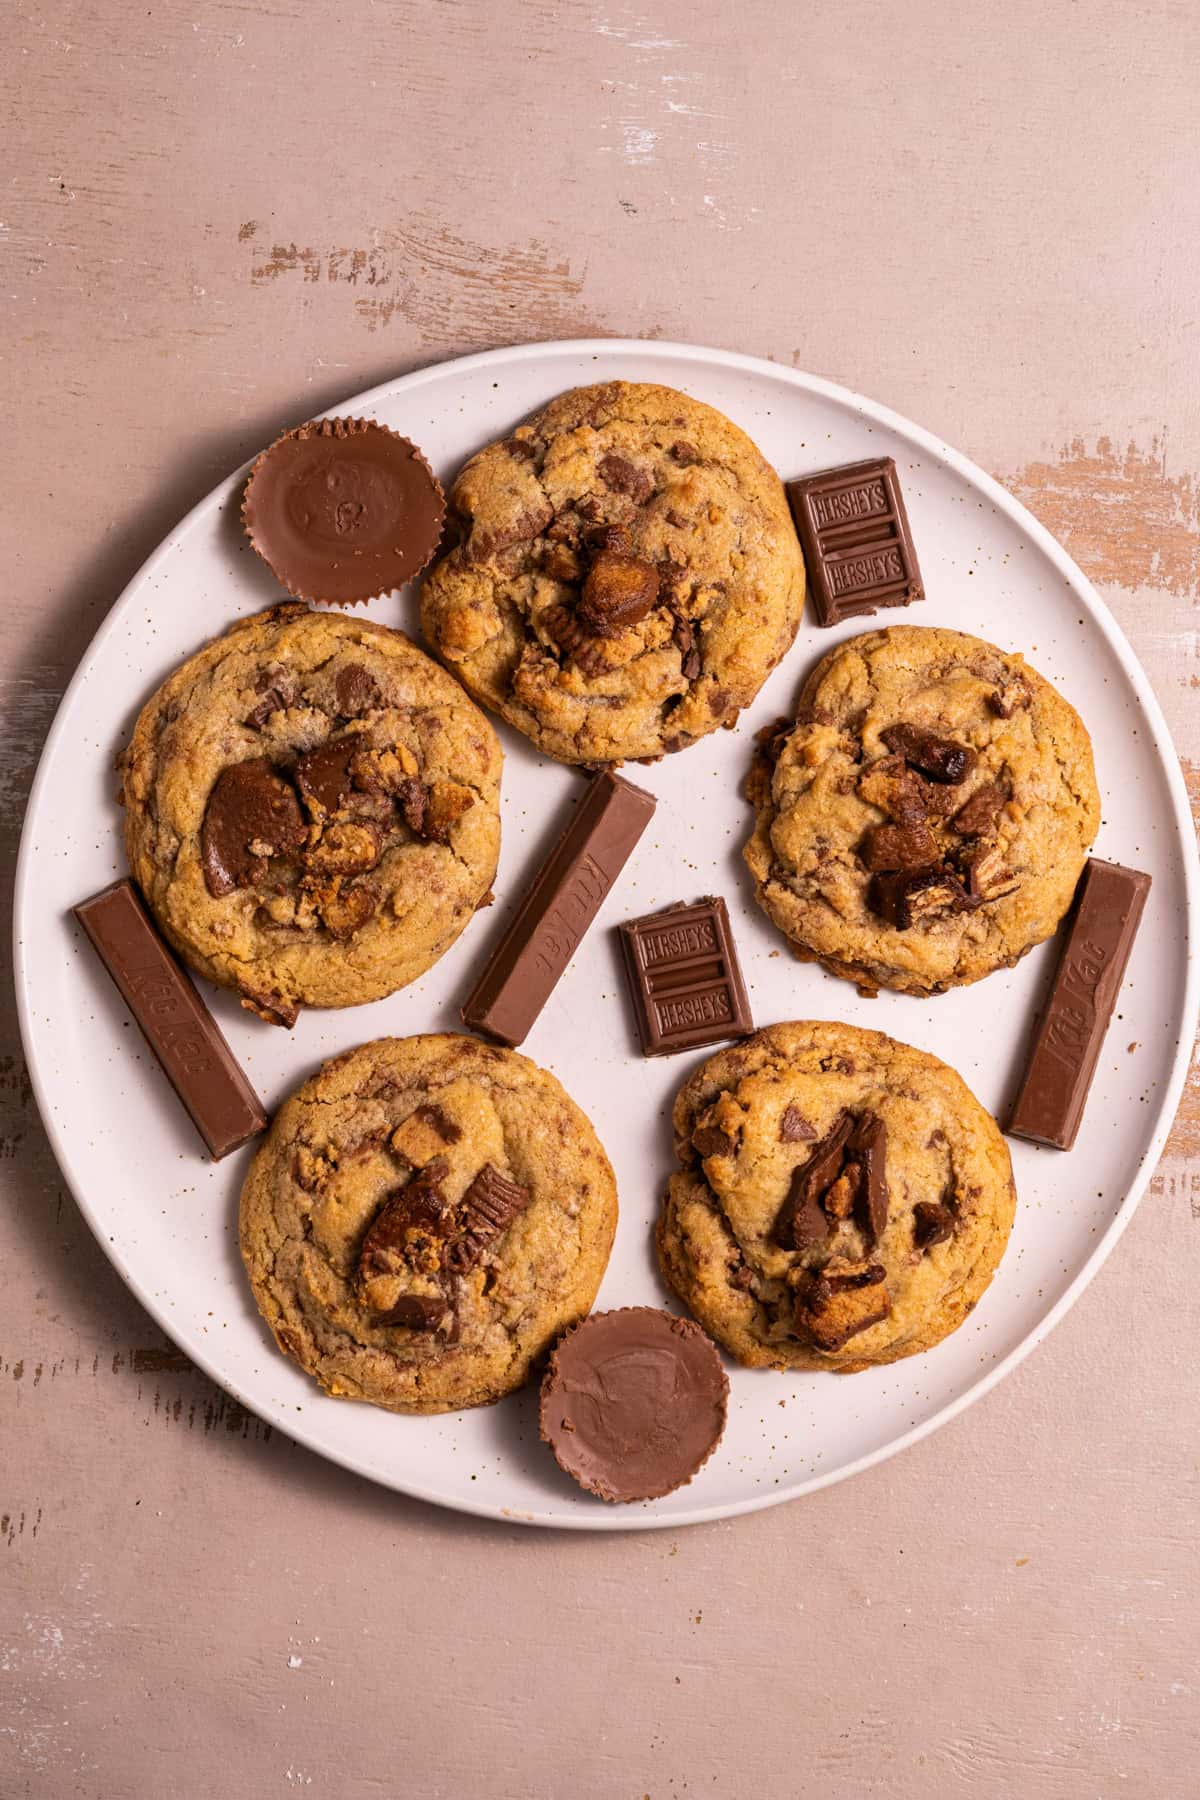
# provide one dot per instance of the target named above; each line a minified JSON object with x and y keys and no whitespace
{"x":1066,"y":1046}
{"x":565,"y":897}
{"x":173,"y":1019}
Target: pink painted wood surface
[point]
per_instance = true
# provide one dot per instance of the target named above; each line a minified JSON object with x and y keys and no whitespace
{"x":218,"y":218}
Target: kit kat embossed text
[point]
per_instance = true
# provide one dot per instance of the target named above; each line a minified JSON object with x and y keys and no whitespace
{"x":1070,"y":1033}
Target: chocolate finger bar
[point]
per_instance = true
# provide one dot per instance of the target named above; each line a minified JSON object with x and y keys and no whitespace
{"x":174,"y":1020}
{"x":858,"y":549}
{"x":565,"y":897}
{"x":1066,"y":1047}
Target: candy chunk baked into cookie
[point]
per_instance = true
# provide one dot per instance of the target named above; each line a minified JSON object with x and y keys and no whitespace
{"x":626,"y":578}
{"x":312,"y":810}
{"x":926,"y":817}
{"x":424,"y":1219}
{"x":844,"y":1199}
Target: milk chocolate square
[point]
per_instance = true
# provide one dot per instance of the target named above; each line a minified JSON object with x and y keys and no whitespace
{"x":684,"y":976}
{"x":858,"y":549}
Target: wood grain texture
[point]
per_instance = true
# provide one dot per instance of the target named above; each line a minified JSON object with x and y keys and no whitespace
{"x":219,"y":218}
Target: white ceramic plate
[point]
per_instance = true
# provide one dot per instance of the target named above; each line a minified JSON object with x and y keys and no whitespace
{"x":167,"y":1217}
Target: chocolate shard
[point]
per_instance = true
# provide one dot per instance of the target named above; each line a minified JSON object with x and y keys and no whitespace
{"x":173,"y":1019}
{"x":409,"y":1226}
{"x":858,"y":549}
{"x":908,"y":898}
{"x":710,"y":1140}
{"x":486,"y":1211}
{"x":684,"y":978}
{"x":890,"y":784}
{"x":323,"y":775}
{"x":416,"y":1312}
{"x":844,"y":1299}
{"x":905,"y":847}
{"x":624,"y":477}
{"x":794,"y":1128}
{"x":413,"y":796}
{"x":355,"y":690}
{"x":802,"y":1219}
{"x":252,"y":814}
{"x":932,"y":1224}
{"x":939,"y":759}
{"x":564,"y":898}
{"x":1066,"y":1047}
{"x":272,"y":1007}
{"x":618,"y":590}
{"x":868,"y":1143}
{"x":979,"y":814}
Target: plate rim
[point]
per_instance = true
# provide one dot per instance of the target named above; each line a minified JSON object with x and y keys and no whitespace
{"x":603,"y":349}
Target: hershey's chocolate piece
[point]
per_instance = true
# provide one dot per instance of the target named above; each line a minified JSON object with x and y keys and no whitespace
{"x":565,"y":897}
{"x":343,"y":509}
{"x":858,"y":549}
{"x":486,"y":1211}
{"x":868,"y":1145}
{"x":1066,"y":1046}
{"x":633,"y":1403}
{"x":932,"y":1224}
{"x":802,"y":1218}
{"x":684,"y":977}
{"x":173,"y":1019}
{"x":252,"y":814}
{"x":939,"y":759}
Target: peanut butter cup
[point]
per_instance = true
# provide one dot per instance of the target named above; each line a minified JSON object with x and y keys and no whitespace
{"x":343,"y":510}
{"x":633,"y":1403}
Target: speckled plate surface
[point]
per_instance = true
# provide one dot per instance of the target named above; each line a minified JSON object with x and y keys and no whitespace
{"x":168,"y":1218}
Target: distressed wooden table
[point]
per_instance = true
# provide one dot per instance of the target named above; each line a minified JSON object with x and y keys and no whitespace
{"x":218,"y":218}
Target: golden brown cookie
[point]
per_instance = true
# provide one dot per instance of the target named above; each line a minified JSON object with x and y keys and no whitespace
{"x":627,"y":576}
{"x":844,"y":1199}
{"x":424,"y":1219}
{"x":312,"y":810}
{"x":926,"y":817}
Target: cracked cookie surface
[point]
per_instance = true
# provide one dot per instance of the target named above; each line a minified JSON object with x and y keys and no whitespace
{"x":926,"y":817}
{"x":626,"y":578}
{"x":425,"y":1217}
{"x":312,"y":810}
{"x":843,"y":1200}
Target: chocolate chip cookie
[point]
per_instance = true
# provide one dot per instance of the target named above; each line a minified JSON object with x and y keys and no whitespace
{"x":844,"y":1200}
{"x":925,"y":818}
{"x":424,"y":1218}
{"x":312,"y":810}
{"x":627,"y":576}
